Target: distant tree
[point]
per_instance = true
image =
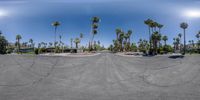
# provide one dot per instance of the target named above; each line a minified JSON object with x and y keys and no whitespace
{"x":71,"y":40}
{"x":99,"y":43}
{"x":133,"y":47}
{"x":3,"y":44}
{"x":165,"y":38}
{"x":184,"y":26}
{"x":121,"y":39}
{"x":31,"y":42}
{"x":50,"y":44}
{"x":81,"y":35}
{"x":77,"y":41}
{"x":18,"y":38}
{"x":198,"y":38}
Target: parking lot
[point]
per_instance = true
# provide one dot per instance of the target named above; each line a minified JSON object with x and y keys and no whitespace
{"x":101,"y":77}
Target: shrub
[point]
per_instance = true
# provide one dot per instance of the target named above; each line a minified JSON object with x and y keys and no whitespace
{"x":36,"y":51}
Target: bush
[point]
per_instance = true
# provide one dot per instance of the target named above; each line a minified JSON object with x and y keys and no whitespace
{"x":36,"y":51}
{"x":9,"y":50}
{"x":57,"y":50}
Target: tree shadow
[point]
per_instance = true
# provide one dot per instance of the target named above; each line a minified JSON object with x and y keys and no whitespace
{"x":176,"y":56}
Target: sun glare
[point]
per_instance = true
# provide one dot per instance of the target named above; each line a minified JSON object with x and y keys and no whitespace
{"x":193,"y":13}
{"x":2,"y":13}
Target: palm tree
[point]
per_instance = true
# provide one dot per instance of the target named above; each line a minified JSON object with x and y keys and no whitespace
{"x":153,"y":26}
{"x":0,"y":33}
{"x":165,"y":38}
{"x":184,"y":26}
{"x":77,"y":41}
{"x":99,"y":43}
{"x":50,"y":44}
{"x":126,"y":36}
{"x":177,"y":42}
{"x":192,"y":43}
{"x":129,"y":39}
{"x":129,"y":35}
{"x":118,"y":31}
{"x":18,"y":38}
{"x":174,"y":43}
{"x":180,"y":35}
{"x":121,"y":38}
{"x":31,"y":42}
{"x":159,"y":27}
{"x":95,"y":21}
{"x":81,"y":35}
{"x":71,"y":40}
{"x":149,"y":22}
{"x":155,"y":38}
{"x":198,"y":37}
{"x":55,"y":24}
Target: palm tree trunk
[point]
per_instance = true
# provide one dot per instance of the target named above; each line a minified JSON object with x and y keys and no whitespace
{"x":55,"y":37}
{"x":92,"y":41}
{"x":198,"y":43}
{"x":77,"y":45}
{"x":149,"y":39}
{"x":184,"y":42}
{"x":18,"y":45}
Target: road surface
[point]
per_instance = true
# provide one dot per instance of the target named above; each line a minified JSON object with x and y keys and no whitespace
{"x":102,"y":77}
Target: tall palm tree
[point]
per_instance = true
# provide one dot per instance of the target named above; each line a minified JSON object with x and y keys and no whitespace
{"x":77,"y":41}
{"x":18,"y":38}
{"x":198,"y":37}
{"x":55,"y":24}
{"x":95,"y":21}
{"x":184,"y":26}
{"x":148,"y":23}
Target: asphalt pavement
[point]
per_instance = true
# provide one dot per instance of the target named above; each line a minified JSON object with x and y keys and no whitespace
{"x":101,"y":77}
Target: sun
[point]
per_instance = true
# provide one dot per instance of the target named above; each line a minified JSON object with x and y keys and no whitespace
{"x":192,"y":13}
{"x":3,"y":13}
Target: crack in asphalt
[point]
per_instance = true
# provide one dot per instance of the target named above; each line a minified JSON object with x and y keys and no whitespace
{"x":34,"y":81}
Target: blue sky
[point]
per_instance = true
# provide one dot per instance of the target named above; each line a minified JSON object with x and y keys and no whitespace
{"x":33,"y":18}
